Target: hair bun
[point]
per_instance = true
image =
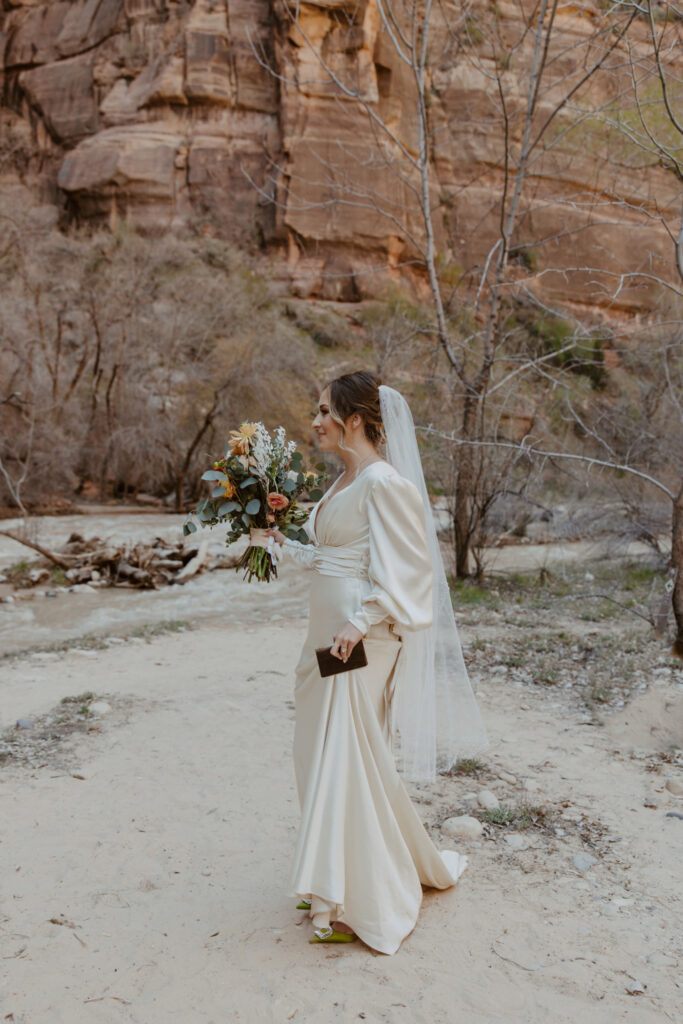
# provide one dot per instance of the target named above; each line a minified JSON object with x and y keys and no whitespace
{"x":358,"y":392}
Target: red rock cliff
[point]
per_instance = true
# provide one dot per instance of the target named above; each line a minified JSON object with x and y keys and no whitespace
{"x":169,"y":114}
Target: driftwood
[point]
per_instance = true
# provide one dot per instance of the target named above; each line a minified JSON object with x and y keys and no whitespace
{"x":146,"y":565}
{"x":195,"y":564}
{"x":51,"y":557}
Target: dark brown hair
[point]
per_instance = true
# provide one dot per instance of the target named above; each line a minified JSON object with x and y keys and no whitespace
{"x":358,"y":392}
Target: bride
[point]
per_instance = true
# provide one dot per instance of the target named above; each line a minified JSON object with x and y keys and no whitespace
{"x":363,"y":854}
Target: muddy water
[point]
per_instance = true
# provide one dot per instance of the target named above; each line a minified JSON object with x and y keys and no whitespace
{"x":36,"y":620}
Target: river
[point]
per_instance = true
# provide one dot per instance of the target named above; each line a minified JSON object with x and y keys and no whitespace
{"x":33,"y":619}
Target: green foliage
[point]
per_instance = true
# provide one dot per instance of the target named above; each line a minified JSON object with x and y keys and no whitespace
{"x":18,"y":572}
{"x":617,"y":131}
{"x":327,"y":328}
{"x":520,"y":816}
{"x":546,"y":677}
{"x":502,"y":815}
{"x":98,"y":642}
{"x":396,"y":308}
{"x":526,"y":256}
{"x":468,"y":766}
{"x":473,"y":31}
{"x":543,"y":334}
{"x":468,"y":595}
{"x":634,"y":576}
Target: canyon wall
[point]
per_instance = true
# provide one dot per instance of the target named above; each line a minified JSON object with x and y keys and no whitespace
{"x":218,"y":116}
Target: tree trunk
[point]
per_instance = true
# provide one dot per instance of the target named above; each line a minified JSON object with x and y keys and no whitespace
{"x":463,"y":490}
{"x":677,"y":564}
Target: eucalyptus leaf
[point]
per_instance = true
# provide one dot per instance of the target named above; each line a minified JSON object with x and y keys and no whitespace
{"x":302,"y":536}
{"x":213,"y":474}
{"x":218,"y":491}
{"x":249,"y":481}
{"x":246,"y":520}
{"x":188,"y":528}
{"x":316,"y":494}
{"x":252,"y":507}
{"x":321,"y":467}
{"x":228,"y":506}
{"x":206,"y":514}
{"x":289,"y":486}
{"x":301,"y":479}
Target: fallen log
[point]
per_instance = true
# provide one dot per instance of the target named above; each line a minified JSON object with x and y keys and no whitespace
{"x":146,"y":565}
{"x":194,"y":565}
{"x":51,"y":557}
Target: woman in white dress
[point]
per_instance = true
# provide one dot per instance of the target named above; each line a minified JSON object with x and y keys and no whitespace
{"x":363,"y":854}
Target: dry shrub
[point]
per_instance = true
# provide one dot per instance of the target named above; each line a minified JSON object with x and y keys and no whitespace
{"x":124,"y":360}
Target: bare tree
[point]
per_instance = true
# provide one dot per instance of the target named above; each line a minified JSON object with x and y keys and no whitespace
{"x":534,"y":83}
{"x":123,"y":359}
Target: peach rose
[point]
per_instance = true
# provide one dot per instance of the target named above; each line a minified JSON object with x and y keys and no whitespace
{"x":277,"y":501}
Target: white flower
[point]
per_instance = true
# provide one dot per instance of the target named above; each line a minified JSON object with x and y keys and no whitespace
{"x":261,"y":450}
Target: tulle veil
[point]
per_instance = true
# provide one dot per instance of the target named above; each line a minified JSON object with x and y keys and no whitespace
{"x":435,"y":716}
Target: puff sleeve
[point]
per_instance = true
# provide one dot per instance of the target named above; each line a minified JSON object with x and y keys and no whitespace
{"x":304,"y":554}
{"x":400,"y":567}
{"x":301,"y":553}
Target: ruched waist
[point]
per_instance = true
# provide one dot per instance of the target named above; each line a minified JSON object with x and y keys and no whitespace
{"x":341,"y":561}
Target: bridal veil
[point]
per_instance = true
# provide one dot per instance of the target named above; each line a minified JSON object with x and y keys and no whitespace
{"x":435,"y":715}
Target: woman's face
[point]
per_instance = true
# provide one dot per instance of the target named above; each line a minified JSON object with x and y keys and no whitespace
{"x":329,"y":432}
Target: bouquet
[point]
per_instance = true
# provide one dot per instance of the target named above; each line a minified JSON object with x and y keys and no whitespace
{"x":256,"y":485}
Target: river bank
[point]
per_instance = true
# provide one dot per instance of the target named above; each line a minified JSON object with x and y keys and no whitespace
{"x":53,"y":613}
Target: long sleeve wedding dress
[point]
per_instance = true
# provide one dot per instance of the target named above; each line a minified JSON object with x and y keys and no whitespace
{"x":362,"y":851}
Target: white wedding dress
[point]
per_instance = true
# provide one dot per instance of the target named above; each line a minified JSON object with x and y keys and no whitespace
{"x":363,"y":852}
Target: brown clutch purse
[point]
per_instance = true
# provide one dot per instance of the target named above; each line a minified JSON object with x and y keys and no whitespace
{"x":331,"y":666}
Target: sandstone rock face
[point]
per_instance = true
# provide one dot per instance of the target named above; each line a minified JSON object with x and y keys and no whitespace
{"x":62,"y":92}
{"x":158,"y":113}
{"x":220,"y":114}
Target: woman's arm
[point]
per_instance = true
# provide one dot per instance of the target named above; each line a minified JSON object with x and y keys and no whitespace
{"x":301,"y":553}
{"x":400,"y":568}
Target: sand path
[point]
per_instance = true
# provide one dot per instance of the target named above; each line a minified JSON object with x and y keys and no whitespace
{"x":168,"y":862}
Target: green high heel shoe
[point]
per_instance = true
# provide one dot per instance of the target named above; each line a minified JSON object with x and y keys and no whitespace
{"x":330,"y":935}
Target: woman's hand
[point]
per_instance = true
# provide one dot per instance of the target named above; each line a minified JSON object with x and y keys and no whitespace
{"x":260,"y":537}
{"x":344,"y":641}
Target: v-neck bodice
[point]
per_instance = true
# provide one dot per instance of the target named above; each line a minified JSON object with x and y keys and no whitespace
{"x":315,"y":526}
{"x":372,"y":529}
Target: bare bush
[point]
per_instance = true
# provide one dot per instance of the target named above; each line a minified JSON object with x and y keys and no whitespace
{"x":125,"y":359}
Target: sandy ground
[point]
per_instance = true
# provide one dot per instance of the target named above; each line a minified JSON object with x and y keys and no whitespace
{"x":145,"y":863}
